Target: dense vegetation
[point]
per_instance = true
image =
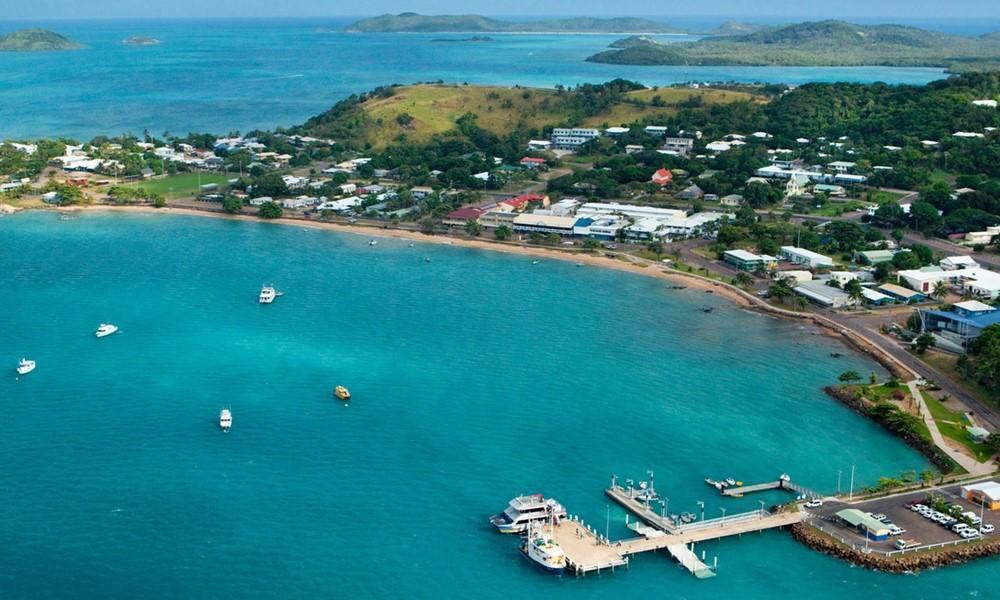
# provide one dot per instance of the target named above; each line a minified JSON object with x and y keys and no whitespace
{"x":35,"y":40}
{"x":415,"y":23}
{"x":823,"y":43}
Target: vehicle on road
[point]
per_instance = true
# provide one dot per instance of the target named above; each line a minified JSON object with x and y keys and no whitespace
{"x":986,"y":528}
{"x":814,"y":503}
{"x":906,"y":544}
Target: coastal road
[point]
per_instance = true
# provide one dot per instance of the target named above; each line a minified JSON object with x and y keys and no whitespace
{"x":869,"y":325}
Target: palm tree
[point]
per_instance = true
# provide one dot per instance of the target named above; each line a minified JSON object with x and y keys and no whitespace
{"x":940,"y":290}
{"x":855,"y":295}
{"x":744,"y":280}
{"x":780,"y":291}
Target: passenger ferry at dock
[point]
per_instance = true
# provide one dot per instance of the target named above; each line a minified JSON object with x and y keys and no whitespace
{"x":539,"y":547}
{"x":524,"y":510}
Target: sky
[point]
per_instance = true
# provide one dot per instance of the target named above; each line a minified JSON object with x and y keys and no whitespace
{"x":867,"y":10}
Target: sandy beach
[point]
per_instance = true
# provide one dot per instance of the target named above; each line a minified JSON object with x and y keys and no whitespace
{"x":603,"y":260}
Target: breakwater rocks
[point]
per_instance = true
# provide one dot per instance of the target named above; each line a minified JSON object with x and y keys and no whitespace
{"x":897,"y":563}
{"x":935,"y":455}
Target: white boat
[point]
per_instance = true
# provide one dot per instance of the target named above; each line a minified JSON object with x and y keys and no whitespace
{"x":539,"y":547}
{"x":267,"y":295}
{"x":25,"y":366}
{"x":225,"y":419}
{"x":372,"y":242}
{"x":106,"y":329}
{"x":527,"y":509}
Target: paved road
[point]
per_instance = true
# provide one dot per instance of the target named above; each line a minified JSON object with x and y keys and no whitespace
{"x":869,"y":324}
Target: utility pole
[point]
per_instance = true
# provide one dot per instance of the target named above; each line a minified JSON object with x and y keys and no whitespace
{"x":850,"y":496}
{"x":839,"y":472}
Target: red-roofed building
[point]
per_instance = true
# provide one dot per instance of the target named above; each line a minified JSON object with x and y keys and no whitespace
{"x":462,"y":215}
{"x":531,"y":162}
{"x":521,"y":202}
{"x":662,"y":177}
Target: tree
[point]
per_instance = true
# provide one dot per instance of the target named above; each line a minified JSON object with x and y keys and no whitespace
{"x":270,"y":184}
{"x":656,"y":248}
{"x":923,"y":342}
{"x":854,"y":290}
{"x":591,"y":244}
{"x":849,"y":377}
{"x":780,"y":291}
{"x":270,"y":210}
{"x":940,"y":290}
{"x":872,"y":378}
{"x":993,"y":442}
{"x":158,"y":200}
{"x":232,"y":204}
{"x":502,"y":233}
{"x":744,"y":280}
{"x":473,"y":228}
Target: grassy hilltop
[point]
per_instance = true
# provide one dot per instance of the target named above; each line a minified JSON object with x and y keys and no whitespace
{"x":420,"y":112}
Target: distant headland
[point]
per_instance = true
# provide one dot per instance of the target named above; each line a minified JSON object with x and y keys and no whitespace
{"x":819,"y":44}
{"x":416,"y":23}
{"x":36,"y":40}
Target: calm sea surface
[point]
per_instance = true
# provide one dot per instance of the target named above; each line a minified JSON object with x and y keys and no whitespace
{"x":219,"y":76}
{"x":476,"y":376}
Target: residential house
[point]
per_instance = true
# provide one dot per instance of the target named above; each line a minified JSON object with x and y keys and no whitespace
{"x":539,"y":145}
{"x":420,"y":192}
{"x":691,"y":193}
{"x":530,"y":162}
{"x":797,"y":185}
{"x":956,"y":263}
{"x":680,"y":146}
{"x":732,"y":200}
{"x":958,"y":327}
{"x":461,"y":216}
{"x":662,"y":177}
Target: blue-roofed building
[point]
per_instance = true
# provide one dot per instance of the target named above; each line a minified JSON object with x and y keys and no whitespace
{"x":957,"y":328}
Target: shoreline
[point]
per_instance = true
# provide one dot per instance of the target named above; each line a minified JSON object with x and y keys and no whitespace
{"x":733,"y":294}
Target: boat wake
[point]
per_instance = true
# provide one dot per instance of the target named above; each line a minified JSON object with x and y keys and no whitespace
{"x":296,"y":76}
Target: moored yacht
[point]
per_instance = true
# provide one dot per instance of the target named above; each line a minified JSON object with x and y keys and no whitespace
{"x":25,"y":366}
{"x":527,"y":509}
{"x":106,"y":329}
{"x":225,"y":419}
{"x":267,"y":294}
{"x":539,"y":547}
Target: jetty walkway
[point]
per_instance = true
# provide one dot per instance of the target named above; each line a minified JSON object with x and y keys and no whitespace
{"x":587,"y":551}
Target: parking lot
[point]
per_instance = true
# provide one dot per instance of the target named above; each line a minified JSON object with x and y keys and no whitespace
{"x":915,"y":526}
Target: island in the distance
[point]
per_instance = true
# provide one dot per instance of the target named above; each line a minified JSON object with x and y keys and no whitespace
{"x":475,"y":38}
{"x":415,"y":23}
{"x":35,"y":40}
{"x":140,"y":40}
{"x":823,"y":43}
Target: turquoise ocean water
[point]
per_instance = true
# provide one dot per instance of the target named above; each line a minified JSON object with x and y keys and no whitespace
{"x":476,"y":376}
{"x":219,"y":76}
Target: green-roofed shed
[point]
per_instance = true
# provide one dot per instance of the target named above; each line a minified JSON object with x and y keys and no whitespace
{"x":873,"y":257}
{"x":874,"y":529}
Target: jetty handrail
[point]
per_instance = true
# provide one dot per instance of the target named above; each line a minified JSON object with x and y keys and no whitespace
{"x":758,"y":513}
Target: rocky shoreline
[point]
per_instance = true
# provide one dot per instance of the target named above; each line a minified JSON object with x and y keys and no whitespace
{"x":899,"y":563}
{"x":934,"y":454}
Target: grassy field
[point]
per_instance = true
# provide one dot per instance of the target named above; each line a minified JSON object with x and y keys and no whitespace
{"x":434,"y":109}
{"x":182,"y":185}
{"x":952,"y":424}
{"x":946,"y":363}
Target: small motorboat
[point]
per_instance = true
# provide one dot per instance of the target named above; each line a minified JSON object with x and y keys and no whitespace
{"x":106,"y":329}
{"x":225,"y":419}
{"x":372,"y":242}
{"x":341,"y":393}
{"x":267,"y":294}
{"x":25,"y":366}
{"x":535,"y":262}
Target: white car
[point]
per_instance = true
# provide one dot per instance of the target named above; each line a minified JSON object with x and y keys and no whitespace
{"x":895,"y":530}
{"x":986,"y":528}
{"x":814,"y":503}
{"x":959,"y":527}
{"x":969,"y":533}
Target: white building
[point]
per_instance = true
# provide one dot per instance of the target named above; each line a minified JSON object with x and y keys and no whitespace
{"x":260,"y":200}
{"x":656,"y":130}
{"x":571,"y":138}
{"x":954,"y":263}
{"x":974,"y":238}
{"x":801,"y":256}
{"x":985,"y":103}
{"x":539,"y":145}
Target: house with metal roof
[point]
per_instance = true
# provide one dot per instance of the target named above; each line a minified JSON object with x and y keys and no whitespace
{"x":901,"y":294}
{"x":748,"y":261}
{"x":877,"y":298}
{"x":873,"y":257}
{"x":986,"y":493}
{"x":874,"y":529}
{"x":955,"y":329}
{"x":819,"y":292}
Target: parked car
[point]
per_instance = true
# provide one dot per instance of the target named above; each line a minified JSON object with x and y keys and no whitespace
{"x":896,"y":530}
{"x":816,"y":503}
{"x":959,"y":527}
{"x":986,"y":528}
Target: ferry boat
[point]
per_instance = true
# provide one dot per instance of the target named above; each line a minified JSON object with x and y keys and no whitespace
{"x":25,"y":366}
{"x":225,"y":419}
{"x":523,"y":510}
{"x":267,"y":295}
{"x":341,"y":393}
{"x":539,"y":547}
{"x":106,"y":329}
